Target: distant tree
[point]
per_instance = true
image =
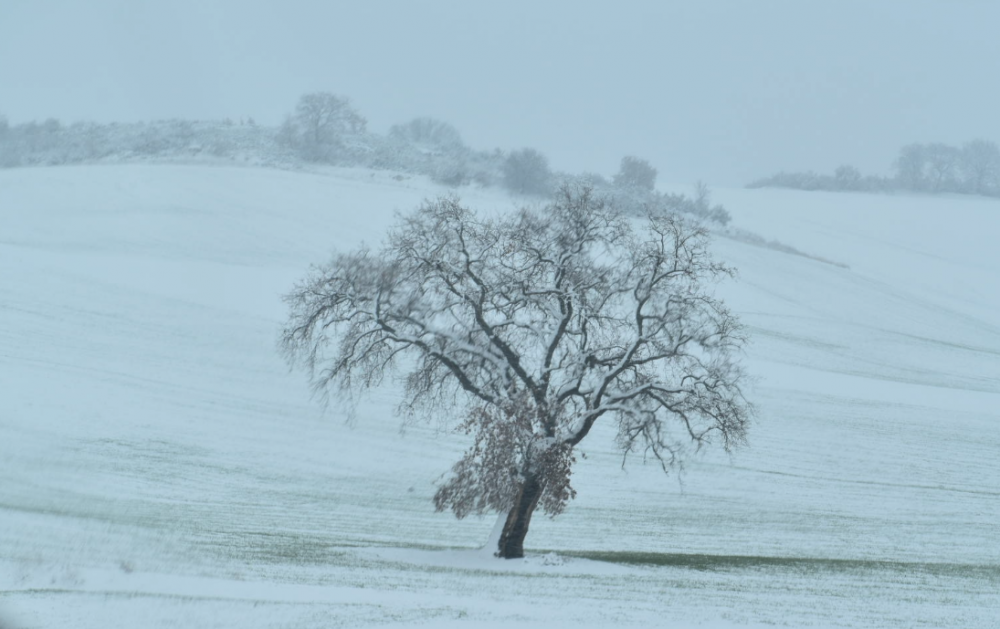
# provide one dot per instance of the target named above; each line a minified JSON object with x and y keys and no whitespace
{"x":980,"y":166}
{"x":320,"y":123}
{"x":527,"y":172}
{"x":876,"y":183}
{"x":847,"y":177}
{"x":635,"y":173}
{"x":935,"y":167}
{"x":51,"y":126}
{"x":529,"y":329}
{"x":9,"y":157}
{"x":450,"y":172}
{"x":942,"y":162}
{"x":427,"y":132}
{"x":288,"y":133}
{"x":324,"y":115}
{"x":911,"y":167}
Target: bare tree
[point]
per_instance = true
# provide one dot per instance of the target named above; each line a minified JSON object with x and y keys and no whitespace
{"x":980,"y":164}
{"x":911,"y":167}
{"x":942,"y":165}
{"x":847,"y":177}
{"x":320,"y":122}
{"x":530,"y":328}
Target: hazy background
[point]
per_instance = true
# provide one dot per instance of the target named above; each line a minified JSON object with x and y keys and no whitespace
{"x":721,"y":90}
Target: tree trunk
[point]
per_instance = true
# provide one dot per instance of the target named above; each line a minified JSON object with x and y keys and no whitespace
{"x":511,"y":545}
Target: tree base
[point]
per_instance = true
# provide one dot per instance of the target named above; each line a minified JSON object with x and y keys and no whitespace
{"x":511,"y":544}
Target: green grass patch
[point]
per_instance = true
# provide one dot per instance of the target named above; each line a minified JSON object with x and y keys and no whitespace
{"x":787,"y":564}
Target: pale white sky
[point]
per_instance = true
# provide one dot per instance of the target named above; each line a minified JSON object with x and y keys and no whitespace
{"x":721,"y":90}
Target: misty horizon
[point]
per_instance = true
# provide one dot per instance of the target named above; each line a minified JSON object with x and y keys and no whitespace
{"x":719,"y":91}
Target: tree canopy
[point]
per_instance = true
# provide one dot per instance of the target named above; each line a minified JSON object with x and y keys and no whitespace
{"x":528,"y":329}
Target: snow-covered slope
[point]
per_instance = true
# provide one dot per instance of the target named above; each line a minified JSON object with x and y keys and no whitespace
{"x":159,"y":465}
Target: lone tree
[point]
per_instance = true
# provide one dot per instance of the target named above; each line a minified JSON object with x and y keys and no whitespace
{"x":320,"y":123}
{"x":530,"y":328}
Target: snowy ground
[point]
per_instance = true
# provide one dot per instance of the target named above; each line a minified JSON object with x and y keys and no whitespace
{"x":159,"y":466}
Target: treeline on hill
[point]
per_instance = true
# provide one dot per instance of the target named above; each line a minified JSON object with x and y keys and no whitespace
{"x":327,"y":129}
{"x":973,"y":168}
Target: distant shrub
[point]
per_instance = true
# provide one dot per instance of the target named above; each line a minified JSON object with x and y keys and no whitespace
{"x":434,"y":148}
{"x":808,"y":180}
{"x":527,"y":172}
{"x":428,"y":133}
{"x":635,"y":173}
{"x":700,"y":205}
{"x":453,"y":173}
{"x":937,"y":167}
{"x":326,"y":128}
{"x":638,"y":202}
{"x":847,"y":177}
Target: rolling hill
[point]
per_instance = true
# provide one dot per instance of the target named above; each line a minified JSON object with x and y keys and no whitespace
{"x":161,"y":467}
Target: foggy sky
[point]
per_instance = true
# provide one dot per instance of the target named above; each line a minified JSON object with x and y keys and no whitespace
{"x":725,"y":91}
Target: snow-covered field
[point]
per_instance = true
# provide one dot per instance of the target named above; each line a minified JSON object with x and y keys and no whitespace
{"x":160,"y":467}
